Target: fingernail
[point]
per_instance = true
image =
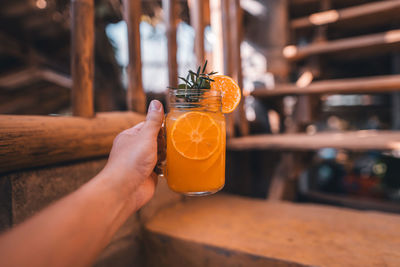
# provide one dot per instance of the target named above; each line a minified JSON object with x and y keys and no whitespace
{"x":155,"y":105}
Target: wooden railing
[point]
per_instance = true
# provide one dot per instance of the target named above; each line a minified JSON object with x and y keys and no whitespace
{"x":31,"y":141}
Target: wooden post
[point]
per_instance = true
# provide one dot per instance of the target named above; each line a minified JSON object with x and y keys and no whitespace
{"x":236,"y":15}
{"x":197,"y":21}
{"x":82,"y":57}
{"x":226,"y":37}
{"x":228,"y":61}
{"x":396,"y":95}
{"x":135,"y":96}
{"x":170,"y":9}
{"x":216,"y":26}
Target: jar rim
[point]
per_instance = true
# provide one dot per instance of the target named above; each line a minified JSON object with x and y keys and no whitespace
{"x":190,"y":98}
{"x":193,"y":91}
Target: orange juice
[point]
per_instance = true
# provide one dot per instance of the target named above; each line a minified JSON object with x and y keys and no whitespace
{"x":195,"y":133}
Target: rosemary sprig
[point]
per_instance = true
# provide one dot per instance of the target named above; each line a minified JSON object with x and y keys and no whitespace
{"x":194,"y":80}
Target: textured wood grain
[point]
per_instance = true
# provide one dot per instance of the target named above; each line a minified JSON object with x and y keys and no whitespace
{"x":171,"y":21}
{"x":197,"y":21}
{"x":236,"y":18}
{"x":135,"y":97}
{"x":370,"y":42}
{"x":380,"y":9}
{"x":82,"y":57}
{"x":377,"y":84}
{"x":313,"y":235}
{"x":227,"y":57}
{"x":358,"y":140}
{"x":29,"y":141}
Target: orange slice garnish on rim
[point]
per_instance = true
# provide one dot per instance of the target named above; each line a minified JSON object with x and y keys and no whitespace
{"x":195,"y":135}
{"x":230,"y":92}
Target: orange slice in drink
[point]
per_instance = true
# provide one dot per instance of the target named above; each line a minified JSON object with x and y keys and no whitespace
{"x":230,"y":92}
{"x":195,"y":135}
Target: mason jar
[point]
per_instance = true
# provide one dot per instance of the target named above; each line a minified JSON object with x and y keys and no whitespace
{"x":196,"y":140}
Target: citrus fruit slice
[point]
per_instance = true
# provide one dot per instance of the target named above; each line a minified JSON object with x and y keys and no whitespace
{"x":195,"y":135}
{"x":230,"y":92}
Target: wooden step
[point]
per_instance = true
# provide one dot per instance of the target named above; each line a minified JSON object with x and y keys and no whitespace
{"x":377,"y":10}
{"x":372,"y":42}
{"x":352,"y":202}
{"x":356,"y":140}
{"x":376,"y":84}
{"x":224,"y":230}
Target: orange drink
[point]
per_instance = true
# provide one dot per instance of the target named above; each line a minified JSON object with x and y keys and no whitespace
{"x":195,"y":132}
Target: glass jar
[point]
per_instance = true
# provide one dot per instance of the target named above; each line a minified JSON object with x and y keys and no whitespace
{"x":195,"y":133}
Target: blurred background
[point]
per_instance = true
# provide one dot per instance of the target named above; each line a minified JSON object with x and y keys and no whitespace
{"x":322,"y":78}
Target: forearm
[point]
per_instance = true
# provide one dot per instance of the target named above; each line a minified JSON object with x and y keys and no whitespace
{"x":72,"y":231}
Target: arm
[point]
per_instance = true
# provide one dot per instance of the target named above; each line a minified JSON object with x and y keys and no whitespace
{"x":74,"y":230}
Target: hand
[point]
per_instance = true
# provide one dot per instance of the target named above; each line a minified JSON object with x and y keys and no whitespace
{"x":134,"y":155}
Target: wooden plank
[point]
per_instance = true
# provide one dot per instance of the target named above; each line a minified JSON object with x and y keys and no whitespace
{"x":358,"y":140}
{"x":216,"y":27}
{"x":236,"y":18}
{"x":135,"y":96}
{"x":30,"y":75}
{"x":376,"y":84}
{"x":226,"y":37}
{"x":303,"y":2}
{"x":82,"y":57}
{"x":373,"y":42}
{"x":352,"y":202}
{"x":30,"y":141}
{"x":170,"y":13}
{"x":224,"y":230}
{"x":197,"y":21}
{"x":227,"y":56}
{"x":360,"y":12}
{"x":395,"y":98}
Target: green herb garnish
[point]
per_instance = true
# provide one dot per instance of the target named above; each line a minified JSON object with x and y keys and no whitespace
{"x":194,"y":80}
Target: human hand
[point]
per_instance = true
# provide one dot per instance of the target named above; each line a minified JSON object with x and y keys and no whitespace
{"x":134,"y":155}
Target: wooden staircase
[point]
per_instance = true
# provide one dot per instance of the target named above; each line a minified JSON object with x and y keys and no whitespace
{"x":225,"y":230}
{"x":373,"y":43}
{"x":316,"y":40}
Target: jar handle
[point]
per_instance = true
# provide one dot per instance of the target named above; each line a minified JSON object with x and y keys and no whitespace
{"x":161,"y":151}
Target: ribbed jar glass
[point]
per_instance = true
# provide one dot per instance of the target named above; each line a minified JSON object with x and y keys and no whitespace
{"x":195,"y":133}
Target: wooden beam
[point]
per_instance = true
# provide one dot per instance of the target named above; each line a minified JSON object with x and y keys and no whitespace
{"x":82,"y":57}
{"x":135,"y":96}
{"x":352,"y":202}
{"x":30,"y":75}
{"x":357,"y":140}
{"x":235,"y":17}
{"x":357,"y":12}
{"x":171,"y":21}
{"x":302,"y":2}
{"x":216,"y":27}
{"x":196,"y":9}
{"x":227,"y":56}
{"x":30,"y":141}
{"x":373,"y":42}
{"x":226,"y":37}
{"x":376,"y":84}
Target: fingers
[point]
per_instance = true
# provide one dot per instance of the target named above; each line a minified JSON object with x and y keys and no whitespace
{"x":154,"y":119}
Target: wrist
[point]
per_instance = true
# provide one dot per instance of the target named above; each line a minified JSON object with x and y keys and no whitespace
{"x":118,"y":188}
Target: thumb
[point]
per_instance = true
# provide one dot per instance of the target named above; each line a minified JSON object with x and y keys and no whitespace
{"x":154,"y":118}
